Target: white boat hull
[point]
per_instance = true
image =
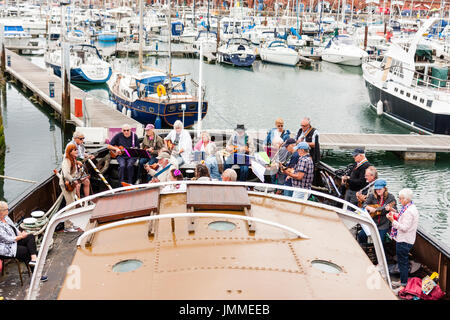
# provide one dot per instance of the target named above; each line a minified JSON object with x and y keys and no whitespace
{"x":285,"y":57}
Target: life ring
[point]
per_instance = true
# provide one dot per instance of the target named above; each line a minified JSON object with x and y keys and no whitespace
{"x":161,"y":90}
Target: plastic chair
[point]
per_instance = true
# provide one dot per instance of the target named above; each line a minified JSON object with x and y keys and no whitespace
{"x":4,"y":259}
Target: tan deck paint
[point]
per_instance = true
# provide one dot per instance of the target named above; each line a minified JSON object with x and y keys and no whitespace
{"x":210,"y":264}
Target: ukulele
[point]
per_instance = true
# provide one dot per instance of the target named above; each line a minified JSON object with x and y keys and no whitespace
{"x":114,"y":154}
{"x":376,"y":206}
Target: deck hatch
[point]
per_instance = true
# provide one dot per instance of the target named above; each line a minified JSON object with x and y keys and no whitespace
{"x":127,"y":205}
{"x":209,"y":197}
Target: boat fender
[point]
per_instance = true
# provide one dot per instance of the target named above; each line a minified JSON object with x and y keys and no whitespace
{"x":129,"y":113}
{"x":379,"y":107}
{"x":161,"y":90}
{"x":124,"y":110}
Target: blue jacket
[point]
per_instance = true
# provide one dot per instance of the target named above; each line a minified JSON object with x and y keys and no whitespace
{"x":284,"y":135}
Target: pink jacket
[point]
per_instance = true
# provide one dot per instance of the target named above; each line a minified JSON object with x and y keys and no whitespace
{"x":198,"y":145}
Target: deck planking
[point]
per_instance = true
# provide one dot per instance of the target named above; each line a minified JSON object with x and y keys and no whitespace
{"x":386,"y":142}
{"x":36,"y":79}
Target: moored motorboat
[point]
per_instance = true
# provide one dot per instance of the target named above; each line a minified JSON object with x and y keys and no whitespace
{"x":86,"y":64}
{"x":411,"y":86}
{"x":341,"y":50}
{"x":278,"y":52}
{"x":236,"y":52}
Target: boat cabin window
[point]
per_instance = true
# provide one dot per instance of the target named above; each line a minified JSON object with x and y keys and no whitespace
{"x":422,"y":100}
{"x":397,"y":68}
{"x":408,"y":94}
{"x":396,"y":89}
{"x":402,"y":92}
{"x":414,"y":97}
{"x":171,"y":108}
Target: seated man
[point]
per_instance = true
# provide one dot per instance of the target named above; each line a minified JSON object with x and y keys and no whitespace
{"x":179,"y":142}
{"x":212,"y":162}
{"x":124,"y":139}
{"x":162,"y":172}
{"x":82,"y":156}
{"x":153,"y":143}
{"x":241,"y":144}
{"x":356,"y":180}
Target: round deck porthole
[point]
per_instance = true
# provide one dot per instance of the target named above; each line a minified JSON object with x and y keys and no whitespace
{"x":127,"y":265}
{"x":222,"y":225}
{"x":326,"y":266}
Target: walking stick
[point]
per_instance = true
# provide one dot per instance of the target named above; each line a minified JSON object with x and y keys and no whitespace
{"x":99,"y":174}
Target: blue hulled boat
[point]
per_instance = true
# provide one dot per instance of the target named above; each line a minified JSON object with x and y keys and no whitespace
{"x":151,"y":97}
{"x":86,"y":64}
{"x":236,"y":52}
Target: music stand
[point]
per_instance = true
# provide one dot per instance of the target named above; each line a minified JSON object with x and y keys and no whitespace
{"x":137,"y":153}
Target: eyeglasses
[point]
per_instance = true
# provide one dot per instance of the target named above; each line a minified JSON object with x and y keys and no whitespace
{"x":81,"y":138}
{"x":280,"y":125}
{"x":303,"y":125}
{"x":126,"y":130}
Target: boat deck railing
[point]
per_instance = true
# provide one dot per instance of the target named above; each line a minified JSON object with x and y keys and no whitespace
{"x":420,"y":80}
{"x":82,"y":207}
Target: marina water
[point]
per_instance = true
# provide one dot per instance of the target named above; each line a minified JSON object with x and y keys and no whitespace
{"x":333,"y":96}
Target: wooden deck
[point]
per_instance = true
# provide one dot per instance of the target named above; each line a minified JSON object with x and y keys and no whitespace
{"x":386,"y":142}
{"x":36,"y":79}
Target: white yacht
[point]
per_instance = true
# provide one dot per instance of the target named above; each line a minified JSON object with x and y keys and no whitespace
{"x":278,"y":52}
{"x":14,"y":34}
{"x":209,"y":42}
{"x":341,"y":49}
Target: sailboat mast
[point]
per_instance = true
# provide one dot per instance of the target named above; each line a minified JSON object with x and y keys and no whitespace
{"x":141,"y":32}
{"x":170,"y":48}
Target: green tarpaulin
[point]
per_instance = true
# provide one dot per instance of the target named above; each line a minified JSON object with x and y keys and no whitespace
{"x":439,"y":74}
{"x":424,"y":51}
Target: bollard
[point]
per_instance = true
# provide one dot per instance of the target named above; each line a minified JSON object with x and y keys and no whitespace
{"x":157,"y":44}
{"x":8,"y":58}
{"x":51,"y":89}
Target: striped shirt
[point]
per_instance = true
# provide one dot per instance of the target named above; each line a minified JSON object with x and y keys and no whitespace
{"x":305,"y":165}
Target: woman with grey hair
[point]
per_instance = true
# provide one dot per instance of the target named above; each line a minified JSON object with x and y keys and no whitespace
{"x":404,"y":228}
{"x":13,"y":243}
{"x":179,"y":142}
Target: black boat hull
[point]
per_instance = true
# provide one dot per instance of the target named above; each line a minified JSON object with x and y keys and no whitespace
{"x":407,"y":113}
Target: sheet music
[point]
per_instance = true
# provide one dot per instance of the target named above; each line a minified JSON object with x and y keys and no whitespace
{"x":258,"y":169}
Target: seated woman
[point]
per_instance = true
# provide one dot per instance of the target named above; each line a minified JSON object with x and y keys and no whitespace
{"x":203,"y":142}
{"x":179,"y":142}
{"x":201,"y":173}
{"x":278,"y":131}
{"x":13,"y":243}
{"x":174,"y":175}
{"x":378,"y":205}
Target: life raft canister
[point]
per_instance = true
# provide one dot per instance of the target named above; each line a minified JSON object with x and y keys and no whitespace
{"x":161,"y":90}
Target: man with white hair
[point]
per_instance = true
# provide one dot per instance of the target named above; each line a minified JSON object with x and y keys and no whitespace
{"x":124,"y":139}
{"x":179,"y":142}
